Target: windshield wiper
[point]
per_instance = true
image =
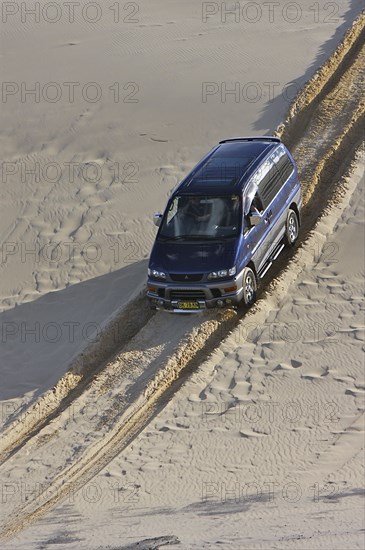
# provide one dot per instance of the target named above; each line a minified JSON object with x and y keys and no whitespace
{"x":192,"y":237}
{"x":181,"y":237}
{"x":173,"y":238}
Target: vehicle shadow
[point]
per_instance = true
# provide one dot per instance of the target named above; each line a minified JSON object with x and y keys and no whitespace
{"x":40,"y":339}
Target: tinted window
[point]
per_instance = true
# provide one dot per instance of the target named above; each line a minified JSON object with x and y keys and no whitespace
{"x":285,"y":167}
{"x":270,"y":185}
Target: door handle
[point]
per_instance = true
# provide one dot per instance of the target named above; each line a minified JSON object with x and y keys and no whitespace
{"x":268,"y":216}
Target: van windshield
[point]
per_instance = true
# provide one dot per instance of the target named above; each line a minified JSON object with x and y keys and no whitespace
{"x":202,"y":217}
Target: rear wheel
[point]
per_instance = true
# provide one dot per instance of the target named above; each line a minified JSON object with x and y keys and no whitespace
{"x":249,"y":284}
{"x":291,"y":228}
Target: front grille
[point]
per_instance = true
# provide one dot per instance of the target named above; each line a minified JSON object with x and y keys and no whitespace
{"x":161,"y":292}
{"x":181,"y":277}
{"x":187,"y":295}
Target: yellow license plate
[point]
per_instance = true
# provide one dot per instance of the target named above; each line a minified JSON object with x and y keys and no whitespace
{"x":188,"y":305}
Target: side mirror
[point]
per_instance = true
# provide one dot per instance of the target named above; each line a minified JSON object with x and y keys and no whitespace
{"x":157,"y":219}
{"x":255,"y":218}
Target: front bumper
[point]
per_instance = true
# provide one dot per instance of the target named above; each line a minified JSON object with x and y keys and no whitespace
{"x":171,"y":296}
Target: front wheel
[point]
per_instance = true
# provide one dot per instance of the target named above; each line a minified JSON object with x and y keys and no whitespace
{"x":291,"y":228}
{"x":249,"y":284}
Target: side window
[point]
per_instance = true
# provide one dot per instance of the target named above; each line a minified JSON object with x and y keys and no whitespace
{"x":285,"y":167}
{"x":270,"y":185}
{"x":256,"y":203}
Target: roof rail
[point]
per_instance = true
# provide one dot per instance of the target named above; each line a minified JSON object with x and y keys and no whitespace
{"x":253,"y":138}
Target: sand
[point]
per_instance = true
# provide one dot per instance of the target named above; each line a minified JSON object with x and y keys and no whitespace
{"x":271,"y":425}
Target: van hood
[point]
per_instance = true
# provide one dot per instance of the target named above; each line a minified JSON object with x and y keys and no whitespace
{"x":193,"y":256}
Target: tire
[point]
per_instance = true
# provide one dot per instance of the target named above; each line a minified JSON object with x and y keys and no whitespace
{"x":291,"y":228}
{"x":249,"y":284}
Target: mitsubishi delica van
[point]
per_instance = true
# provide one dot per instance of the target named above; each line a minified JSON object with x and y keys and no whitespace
{"x":224,"y":225}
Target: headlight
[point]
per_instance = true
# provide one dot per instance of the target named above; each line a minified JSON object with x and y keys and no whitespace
{"x":155,"y":274}
{"x":222,"y":273}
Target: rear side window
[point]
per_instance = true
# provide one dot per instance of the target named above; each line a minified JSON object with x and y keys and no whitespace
{"x":270,"y":185}
{"x":285,"y":167}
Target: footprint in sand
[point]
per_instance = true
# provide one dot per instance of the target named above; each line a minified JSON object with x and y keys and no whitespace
{"x":251,"y":433}
{"x":355,"y":392}
{"x":284,"y":366}
{"x":316,"y":373}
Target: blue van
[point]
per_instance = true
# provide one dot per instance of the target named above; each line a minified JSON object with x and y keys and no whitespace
{"x":224,"y":225}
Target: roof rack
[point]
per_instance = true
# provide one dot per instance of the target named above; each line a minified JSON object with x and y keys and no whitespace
{"x":253,"y":138}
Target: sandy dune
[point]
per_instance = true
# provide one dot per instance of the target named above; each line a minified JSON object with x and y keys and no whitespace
{"x":271,"y":425}
{"x":81,"y":225}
